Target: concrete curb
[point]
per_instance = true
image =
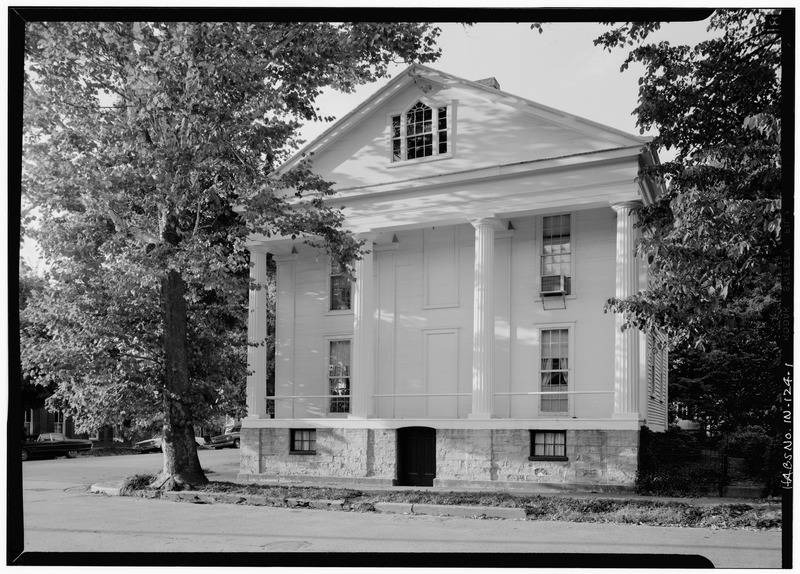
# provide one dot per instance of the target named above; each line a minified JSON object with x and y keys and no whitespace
{"x":451,"y":510}
{"x":113,"y":489}
{"x":108,"y":488}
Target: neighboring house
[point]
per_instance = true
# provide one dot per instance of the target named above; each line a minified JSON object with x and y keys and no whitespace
{"x":473,"y":348}
{"x":39,"y":420}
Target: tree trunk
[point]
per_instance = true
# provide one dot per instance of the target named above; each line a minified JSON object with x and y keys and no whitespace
{"x":181,"y":463}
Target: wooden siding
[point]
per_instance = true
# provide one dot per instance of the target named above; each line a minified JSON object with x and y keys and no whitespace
{"x":657,"y":378}
{"x":423,"y":348}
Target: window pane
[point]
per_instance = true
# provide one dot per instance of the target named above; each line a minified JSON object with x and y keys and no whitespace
{"x":339,"y":376}
{"x":549,"y":443}
{"x":556,"y":246}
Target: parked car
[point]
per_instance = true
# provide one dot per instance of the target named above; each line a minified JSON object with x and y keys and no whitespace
{"x":150,"y":445}
{"x":230,"y":438}
{"x":53,"y":444}
{"x":157,"y":444}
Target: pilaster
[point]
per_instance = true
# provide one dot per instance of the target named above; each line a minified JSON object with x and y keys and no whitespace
{"x":362,"y":383}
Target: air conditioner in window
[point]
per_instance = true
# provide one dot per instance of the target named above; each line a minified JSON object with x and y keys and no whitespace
{"x":553,"y":285}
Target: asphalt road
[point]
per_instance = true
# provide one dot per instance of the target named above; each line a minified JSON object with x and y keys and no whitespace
{"x":61,"y":515}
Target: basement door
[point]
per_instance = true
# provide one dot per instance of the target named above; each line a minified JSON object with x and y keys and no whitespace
{"x":416,"y":456}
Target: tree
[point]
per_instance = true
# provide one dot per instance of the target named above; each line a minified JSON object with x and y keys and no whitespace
{"x":735,"y":381}
{"x":713,"y":239}
{"x":714,"y":236}
{"x":140,"y":139}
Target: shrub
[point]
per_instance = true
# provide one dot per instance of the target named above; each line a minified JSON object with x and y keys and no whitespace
{"x":135,"y":482}
{"x":671,"y":463}
{"x":753,"y":445}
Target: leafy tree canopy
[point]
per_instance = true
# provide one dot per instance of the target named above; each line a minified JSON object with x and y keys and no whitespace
{"x":149,"y":155}
{"x":714,"y":236}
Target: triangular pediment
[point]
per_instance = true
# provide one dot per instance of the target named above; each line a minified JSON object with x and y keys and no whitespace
{"x":486,"y":128}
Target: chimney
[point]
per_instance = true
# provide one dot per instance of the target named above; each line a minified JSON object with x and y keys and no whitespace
{"x":491,"y":82}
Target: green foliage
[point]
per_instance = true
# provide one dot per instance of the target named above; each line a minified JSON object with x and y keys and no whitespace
{"x":671,"y":463}
{"x":714,"y":236}
{"x":735,"y":381}
{"x":149,"y":154}
{"x":132,"y":483}
{"x":753,"y":445}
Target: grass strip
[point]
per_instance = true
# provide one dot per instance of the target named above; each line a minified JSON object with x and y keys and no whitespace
{"x":562,"y":508}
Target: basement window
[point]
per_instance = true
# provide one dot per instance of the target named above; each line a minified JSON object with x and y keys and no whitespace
{"x":548,"y":445}
{"x":303,"y":441}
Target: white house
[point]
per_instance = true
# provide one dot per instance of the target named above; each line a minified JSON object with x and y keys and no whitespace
{"x":473,"y":348}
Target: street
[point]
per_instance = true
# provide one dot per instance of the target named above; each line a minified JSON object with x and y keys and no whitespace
{"x":61,"y":515}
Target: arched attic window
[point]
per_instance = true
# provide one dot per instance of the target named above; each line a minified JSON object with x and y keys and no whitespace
{"x":423,"y":131}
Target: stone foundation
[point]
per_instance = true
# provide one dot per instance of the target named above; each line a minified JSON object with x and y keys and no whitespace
{"x":604,"y":460}
{"x":340,"y":453}
{"x":594,"y":457}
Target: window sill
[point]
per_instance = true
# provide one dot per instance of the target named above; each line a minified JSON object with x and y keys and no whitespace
{"x":335,"y":312}
{"x":302,"y":452}
{"x":549,"y":458}
{"x":418,"y":160}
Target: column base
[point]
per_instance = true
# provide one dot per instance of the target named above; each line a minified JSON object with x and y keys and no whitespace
{"x":256,"y":417}
{"x":480,"y":416}
{"x":626,"y":416}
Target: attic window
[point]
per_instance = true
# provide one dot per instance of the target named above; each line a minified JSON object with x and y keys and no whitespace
{"x":420,"y":132}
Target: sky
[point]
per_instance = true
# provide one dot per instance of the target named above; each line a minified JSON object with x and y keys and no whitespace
{"x":560,"y":68}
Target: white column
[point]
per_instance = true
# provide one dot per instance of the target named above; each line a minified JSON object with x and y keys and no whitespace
{"x":257,"y":333}
{"x":362,"y":380}
{"x":483,"y":319}
{"x":626,"y":343}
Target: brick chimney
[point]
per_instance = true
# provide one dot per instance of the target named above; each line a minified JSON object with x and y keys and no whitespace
{"x":491,"y":82}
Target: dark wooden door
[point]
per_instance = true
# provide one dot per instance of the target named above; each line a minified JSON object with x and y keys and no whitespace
{"x":416,"y":456}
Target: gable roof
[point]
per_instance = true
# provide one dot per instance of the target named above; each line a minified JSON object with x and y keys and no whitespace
{"x":429,"y":78}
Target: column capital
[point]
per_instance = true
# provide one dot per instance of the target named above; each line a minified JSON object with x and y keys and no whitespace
{"x":493,"y":222}
{"x":626,"y":205}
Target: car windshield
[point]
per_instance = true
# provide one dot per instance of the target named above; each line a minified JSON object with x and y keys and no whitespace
{"x":56,"y":436}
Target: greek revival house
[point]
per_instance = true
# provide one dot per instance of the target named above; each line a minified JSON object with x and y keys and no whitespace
{"x":473,"y":348}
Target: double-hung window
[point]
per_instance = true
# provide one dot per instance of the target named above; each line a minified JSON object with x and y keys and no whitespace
{"x":556,"y":264}
{"x":422,"y":131}
{"x":339,"y":288}
{"x":58,"y":422}
{"x":554,"y":371}
{"x":339,"y":375}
